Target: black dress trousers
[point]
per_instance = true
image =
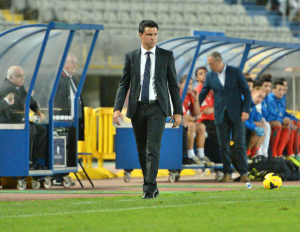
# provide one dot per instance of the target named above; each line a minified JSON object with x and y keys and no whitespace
{"x":238,"y":136}
{"x":148,"y":125}
{"x":38,"y":142}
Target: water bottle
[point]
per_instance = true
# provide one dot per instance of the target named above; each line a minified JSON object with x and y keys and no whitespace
{"x":249,"y":185}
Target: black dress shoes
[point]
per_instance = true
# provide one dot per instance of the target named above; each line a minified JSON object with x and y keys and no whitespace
{"x":156,"y":193}
{"x":36,"y":166}
{"x":149,"y":195}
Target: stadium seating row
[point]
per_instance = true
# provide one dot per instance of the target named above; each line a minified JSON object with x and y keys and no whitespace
{"x":145,"y":8}
{"x":136,"y":13}
{"x":176,"y":16}
{"x":109,"y":4}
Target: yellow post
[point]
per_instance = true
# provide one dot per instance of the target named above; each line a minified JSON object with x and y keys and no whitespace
{"x":105,"y":139}
{"x":88,"y":136}
{"x":92,"y":145}
{"x":100,"y":129}
{"x":88,"y":146}
{"x":108,"y":132}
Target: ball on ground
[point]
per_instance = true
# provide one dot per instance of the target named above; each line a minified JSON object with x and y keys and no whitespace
{"x":272,"y":181}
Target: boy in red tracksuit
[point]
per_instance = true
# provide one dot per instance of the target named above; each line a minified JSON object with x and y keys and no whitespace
{"x":207,"y":107}
{"x":191,"y":114}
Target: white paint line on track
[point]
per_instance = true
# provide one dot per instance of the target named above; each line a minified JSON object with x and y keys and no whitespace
{"x":134,"y":208}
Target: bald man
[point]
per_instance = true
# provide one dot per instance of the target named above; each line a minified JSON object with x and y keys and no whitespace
{"x":13,"y":95}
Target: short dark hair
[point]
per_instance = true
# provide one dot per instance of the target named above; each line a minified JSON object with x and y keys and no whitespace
{"x":183,"y":78}
{"x":265,"y":78}
{"x":201,"y":67}
{"x":147,"y":23}
{"x":257,"y":83}
{"x":281,"y":79}
{"x":277,"y":82}
{"x":246,"y":74}
{"x":249,"y":79}
{"x":257,"y":88}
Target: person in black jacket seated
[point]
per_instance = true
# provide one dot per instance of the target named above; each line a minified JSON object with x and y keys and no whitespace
{"x":5,"y":102}
{"x":12,"y":110}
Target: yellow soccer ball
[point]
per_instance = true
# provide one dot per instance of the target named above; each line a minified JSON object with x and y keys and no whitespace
{"x":272,"y":181}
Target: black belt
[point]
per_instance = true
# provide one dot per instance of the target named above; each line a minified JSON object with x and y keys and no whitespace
{"x":149,"y":103}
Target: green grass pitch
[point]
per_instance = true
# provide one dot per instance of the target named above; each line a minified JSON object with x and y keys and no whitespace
{"x":238,"y":210}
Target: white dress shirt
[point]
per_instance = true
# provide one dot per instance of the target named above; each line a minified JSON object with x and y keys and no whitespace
{"x":258,"y":108}
{"x":72,"y":93}
{"x":222,"y":76}
{"x":152,"y":91}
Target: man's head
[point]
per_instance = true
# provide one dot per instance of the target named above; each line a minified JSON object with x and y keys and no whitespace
{"x":284,"y":83}
{"x":182,"y":82}
{"x":266,"y":83}
{"x":71,"y":64}
{"x":250,"y":83}
{"x":258,"y":95}
{"x":148,"y":33}
{"x":16,"y":75}
{"x":247,"y":75}
{"x":278,"y":89}
{"x":215,"y":62}
{"x":200,"y":74}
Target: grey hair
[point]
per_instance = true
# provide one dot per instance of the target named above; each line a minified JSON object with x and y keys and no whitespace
{"x":216,"y":55}
{"x":71,"y":54}
{"x":11,"y":71}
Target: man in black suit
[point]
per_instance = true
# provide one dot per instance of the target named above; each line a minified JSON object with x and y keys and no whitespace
{"x":65,"y":94}
{"x":150,"y":73}
{"x":64,"y":100}
{"x":12,"y":106}
{"x":231,"y":111}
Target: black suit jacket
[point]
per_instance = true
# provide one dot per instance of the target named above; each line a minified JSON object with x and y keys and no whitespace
{"x":62,"y":100}
{"x":165,"y":82}
{"x":14,"y":113}
{"x":228,"y":97}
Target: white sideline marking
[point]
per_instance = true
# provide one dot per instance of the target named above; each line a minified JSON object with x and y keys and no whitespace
{"x":128,"y":200}
{"x":83,"y":203}
{"x":133,"y":208}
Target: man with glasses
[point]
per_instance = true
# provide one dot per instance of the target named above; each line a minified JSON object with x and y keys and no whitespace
{"x":13,"y":95}
{"x":231,"y":111}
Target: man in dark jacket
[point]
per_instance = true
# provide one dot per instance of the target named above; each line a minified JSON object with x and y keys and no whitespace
{"x":64,"y":100}
{"x":65,"y":94}
{"x":12,"y":111}
{"x":150,"y":72}
{"x":231,"y":111}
